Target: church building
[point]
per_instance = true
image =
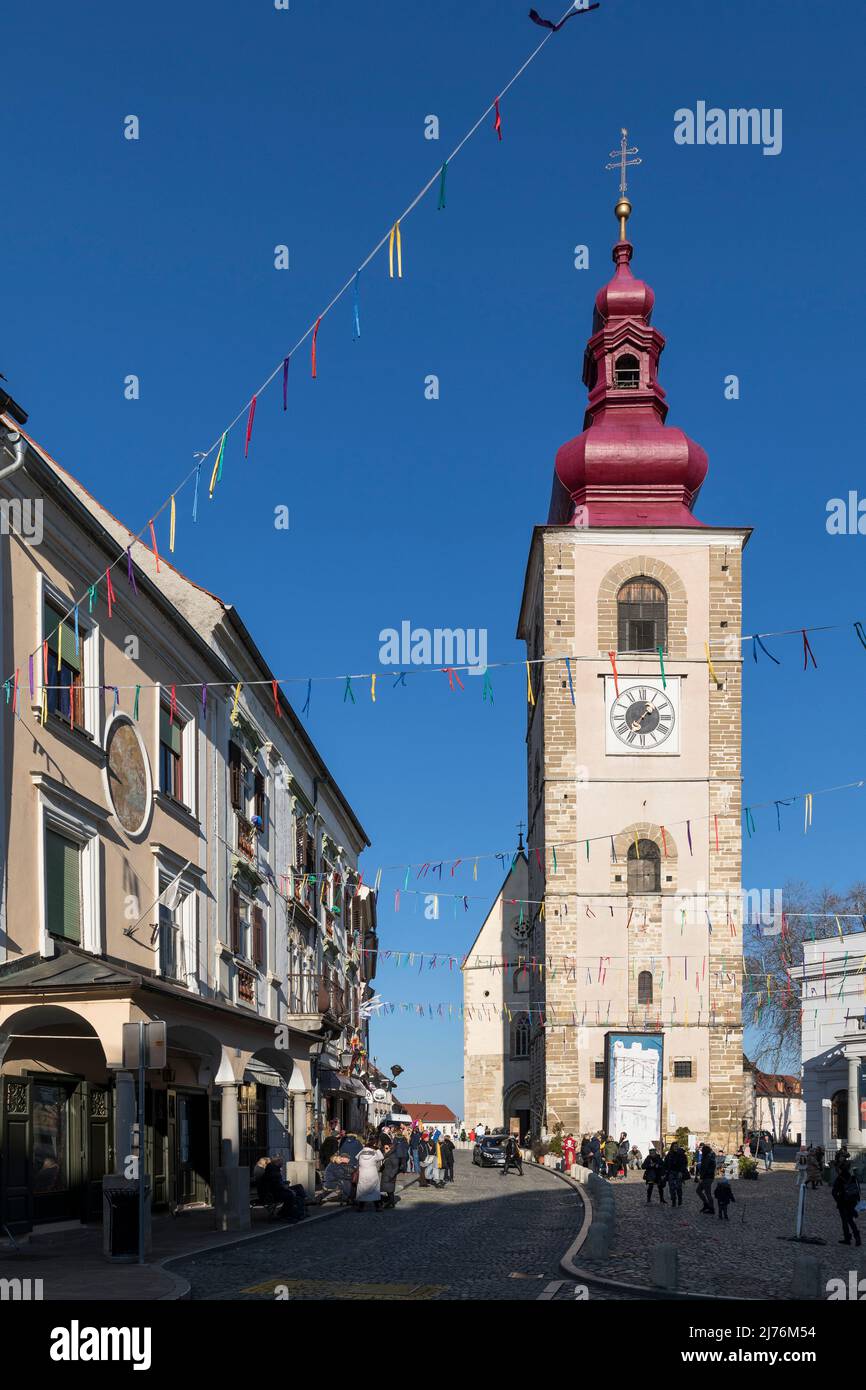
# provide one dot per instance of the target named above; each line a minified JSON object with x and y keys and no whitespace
{"x":633,"y":760}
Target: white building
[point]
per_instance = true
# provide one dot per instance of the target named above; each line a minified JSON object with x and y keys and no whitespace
{"x":496,"y":1021}
{"x":833,"y":976}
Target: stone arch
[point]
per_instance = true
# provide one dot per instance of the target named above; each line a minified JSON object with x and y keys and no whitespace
{"x":642,"y":566}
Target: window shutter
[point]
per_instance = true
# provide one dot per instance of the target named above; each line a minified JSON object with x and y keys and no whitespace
{"x":301,"y":844}
{"x":260,"y":796}
{"x":170,"y":730}
{"x":235,"y":939}
{"x":348,"y":913}
{"x":235,"y":775}
{"x":63,"y":886}
{"x":258,"y":937}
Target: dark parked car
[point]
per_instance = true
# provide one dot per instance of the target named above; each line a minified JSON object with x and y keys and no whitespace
{"x":489,"y":1152}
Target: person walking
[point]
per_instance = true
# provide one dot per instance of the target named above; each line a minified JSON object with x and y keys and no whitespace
{"x":654,"y":1175}
{"x":421,"y":1155}
{"x":448,"y":1158}
{"x":724,"y":1197}
{"x":388,"y":1175}
{"x":431,"y":1161}
{"x":768,"y":1152}
{"x":676,"y":1172}
{"x":512,"y":1156}
{"x":704,"y":1186}
{"x":368,"y":1191}
{"x":846,"y":1194}
{"x":814,"y":1168}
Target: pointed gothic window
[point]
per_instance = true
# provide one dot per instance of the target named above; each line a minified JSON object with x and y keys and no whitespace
{"x":645,"y":987}
{"x":520,"y":1036}
{"x":642,"y":616}
{"x":644,"y":867}
{"x":626,"y":373}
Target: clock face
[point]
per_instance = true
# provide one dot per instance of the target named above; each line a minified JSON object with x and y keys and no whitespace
{"x":643,"y":717}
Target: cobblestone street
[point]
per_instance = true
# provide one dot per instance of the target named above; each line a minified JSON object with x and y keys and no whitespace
{"x":743,"y":1256}
{"x":485,"y":1237}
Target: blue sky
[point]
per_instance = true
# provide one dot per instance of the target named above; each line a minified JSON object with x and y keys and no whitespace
{"x":306,"y":128}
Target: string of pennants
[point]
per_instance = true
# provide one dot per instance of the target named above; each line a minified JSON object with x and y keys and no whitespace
{"x":393,"y":239}
{"x":67,"y":635}
{"x":547,"y":859}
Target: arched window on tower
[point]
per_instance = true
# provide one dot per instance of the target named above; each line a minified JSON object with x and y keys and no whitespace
{"x":521,"y":980}
{"x":642,"y":616}
{"x":520,"y":1036}
{"x":626,"y":372}
{"x":645,"y":987}
{"x":644,"y":867}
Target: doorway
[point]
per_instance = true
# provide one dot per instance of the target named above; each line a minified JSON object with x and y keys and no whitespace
{"x":190,"y":1146}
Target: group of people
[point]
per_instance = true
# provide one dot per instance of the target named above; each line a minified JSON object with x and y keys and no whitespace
{"x":364,"y":1171}
{"x":602,"y":1154}
{"x":673,"y":1169}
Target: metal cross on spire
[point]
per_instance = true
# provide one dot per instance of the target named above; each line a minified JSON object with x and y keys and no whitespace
{"x":623,"y":161}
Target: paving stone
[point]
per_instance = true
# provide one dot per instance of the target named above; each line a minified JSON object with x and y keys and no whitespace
{"x":484,"y":1237}
{"x":743,"y":1256}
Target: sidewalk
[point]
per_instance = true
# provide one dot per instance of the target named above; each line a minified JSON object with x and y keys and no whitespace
{"x":71,"y":1265}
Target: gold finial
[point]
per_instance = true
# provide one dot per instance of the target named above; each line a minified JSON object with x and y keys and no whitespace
{"x":622,"y":162}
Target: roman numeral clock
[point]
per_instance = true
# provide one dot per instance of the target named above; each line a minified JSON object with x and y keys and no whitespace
{"x":643,"y":716}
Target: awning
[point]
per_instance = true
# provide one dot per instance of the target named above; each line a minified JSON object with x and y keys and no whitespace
{"x":262,"y":1075}
{"x":336,"y":1083}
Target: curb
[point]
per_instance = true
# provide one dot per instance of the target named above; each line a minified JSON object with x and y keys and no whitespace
{"x":182,"y":1289}
{"x":646,"y":1291}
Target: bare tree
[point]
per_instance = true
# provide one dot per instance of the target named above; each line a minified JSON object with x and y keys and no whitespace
{"x":773,"y":948}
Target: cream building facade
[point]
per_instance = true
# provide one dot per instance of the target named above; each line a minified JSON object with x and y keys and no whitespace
{"x":168,"y":854}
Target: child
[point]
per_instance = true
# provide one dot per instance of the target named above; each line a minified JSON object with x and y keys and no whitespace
{"x":724,"y":1197}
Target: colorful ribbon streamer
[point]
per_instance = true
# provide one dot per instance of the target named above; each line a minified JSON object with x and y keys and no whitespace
{"x":286,"y":382}
{"x":441,"y":203}
{"x":395,"y":240}
{"x":497,"y":124}
{"x":250,"y":418}
{"x":313,"y":357}
{"x":154,"y":544}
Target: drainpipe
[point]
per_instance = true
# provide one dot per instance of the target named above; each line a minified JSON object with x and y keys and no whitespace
{"x":18,"y":452}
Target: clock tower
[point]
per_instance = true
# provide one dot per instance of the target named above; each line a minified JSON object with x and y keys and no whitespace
{"x":633,"y":760}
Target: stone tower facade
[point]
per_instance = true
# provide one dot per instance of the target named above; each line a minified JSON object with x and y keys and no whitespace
{"x":633,"y":758}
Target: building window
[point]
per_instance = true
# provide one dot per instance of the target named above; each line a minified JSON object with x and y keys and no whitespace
{"x":252,"y":1124}
{"x":642,"y":616}
{"x":645,"y":987}
{"x":521,"y":980}
{"x":62,"y":887}
{"x":170,"y":753}
{"x":627,"y":372}
{"x":644,"y":867}
{"x":520,"y":1036}
{"x":171,"y":961}
{"x":64,"y":678}
{"x":683,"y":1070}
{"x":598,"y":1071}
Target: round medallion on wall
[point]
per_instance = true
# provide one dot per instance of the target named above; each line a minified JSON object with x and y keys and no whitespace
{"x":521,"y":930}
{"x":128,"y":774}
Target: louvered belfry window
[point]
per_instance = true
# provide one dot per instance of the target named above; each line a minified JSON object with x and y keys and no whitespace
{"x":642,"y":616}
{"x":644,"y":867}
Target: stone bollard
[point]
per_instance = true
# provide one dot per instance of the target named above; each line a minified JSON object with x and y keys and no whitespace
{"x":664,"y":1266}
{"x":598,"y":1242}
{"x":807,"y":1280}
